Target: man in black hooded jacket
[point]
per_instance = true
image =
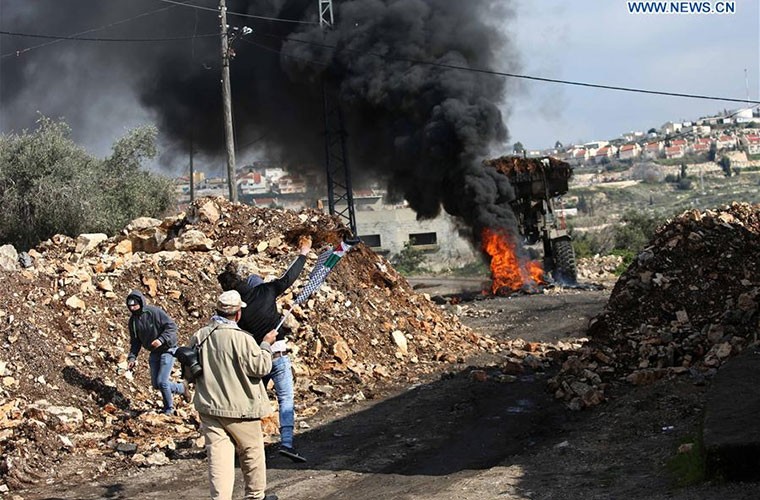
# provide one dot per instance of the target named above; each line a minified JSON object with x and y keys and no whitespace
{"x":151,"y":328}
{"x":261,"y":317}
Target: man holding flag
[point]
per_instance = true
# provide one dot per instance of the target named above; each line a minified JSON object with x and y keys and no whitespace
{"x":260,"y":317}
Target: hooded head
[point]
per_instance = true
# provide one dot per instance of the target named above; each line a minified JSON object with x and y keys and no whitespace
{"x":135,"y":298}
{"x":254,"y":280}
{"x":228,"y":280}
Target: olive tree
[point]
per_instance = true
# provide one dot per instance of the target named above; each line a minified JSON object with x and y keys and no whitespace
{"x":50,"y":185}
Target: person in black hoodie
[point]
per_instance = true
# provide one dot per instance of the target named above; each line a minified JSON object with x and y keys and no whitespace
{"x":259,"y":318}
{"x":151,"y":328}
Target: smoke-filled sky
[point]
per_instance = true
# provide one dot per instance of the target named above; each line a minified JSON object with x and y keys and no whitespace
{"x":423,"y":129}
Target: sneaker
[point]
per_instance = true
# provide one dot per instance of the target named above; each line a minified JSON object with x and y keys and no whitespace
{"x":291,"y":454}
{"x":187,"y":394}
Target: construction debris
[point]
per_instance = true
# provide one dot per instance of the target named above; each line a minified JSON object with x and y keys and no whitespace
{"x":687,"y":303}
{"x":64,"y":386}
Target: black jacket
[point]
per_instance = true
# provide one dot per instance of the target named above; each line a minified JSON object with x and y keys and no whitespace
{"x":260,"y":316}
{"x":148,"y":324}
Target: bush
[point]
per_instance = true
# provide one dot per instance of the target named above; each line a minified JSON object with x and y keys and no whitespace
{"x":684,"y":184}
{"x":649,"y":173}
{"x":627,"y":255}
{"x":409,"y":260}
{"x":590,"y":243}
{"x":635,"y":231}
{"x":50,"y":185}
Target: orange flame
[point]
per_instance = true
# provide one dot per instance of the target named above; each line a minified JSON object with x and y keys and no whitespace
{"x":508,"y":270}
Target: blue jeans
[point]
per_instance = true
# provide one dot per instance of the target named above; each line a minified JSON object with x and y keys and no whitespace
{"x":282,"y":376}
{"x":160,"y":370}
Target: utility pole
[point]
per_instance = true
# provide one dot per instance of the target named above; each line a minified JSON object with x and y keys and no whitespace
{"x":227,"y":104}
{"x":192,"y":167}
{"x":746,"y":86}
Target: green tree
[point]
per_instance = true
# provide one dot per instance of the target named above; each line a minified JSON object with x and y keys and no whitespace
{"x":409,"y":260}
{"x":713,"y":152}
{"x":582,"y":205}
{"x":725,"y":165}
{"x":684,"y":184}
{"x":635,"y":231}
{"x":518,"y":147}
{"x":50,"y":185}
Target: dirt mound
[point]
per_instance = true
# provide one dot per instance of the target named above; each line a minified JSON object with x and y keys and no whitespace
{"x":687,"y":303}
{"x":63,"y":384}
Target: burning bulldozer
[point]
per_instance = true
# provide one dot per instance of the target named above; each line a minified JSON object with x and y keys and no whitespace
{"x":538,"y":184}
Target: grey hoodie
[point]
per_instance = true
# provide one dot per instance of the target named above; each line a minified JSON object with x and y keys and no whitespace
{"x":148,"y":324}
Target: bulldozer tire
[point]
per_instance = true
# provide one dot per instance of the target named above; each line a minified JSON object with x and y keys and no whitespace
{"x":564,"y":271}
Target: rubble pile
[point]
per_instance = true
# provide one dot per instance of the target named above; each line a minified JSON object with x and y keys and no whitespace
{"x":599,"y":268}
{"x":686,"y":304}
{"x":520,"y":169}
{"x":64,"y":387}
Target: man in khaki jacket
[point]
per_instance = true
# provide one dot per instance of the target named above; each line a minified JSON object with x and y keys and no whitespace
{"x":231,"y":399}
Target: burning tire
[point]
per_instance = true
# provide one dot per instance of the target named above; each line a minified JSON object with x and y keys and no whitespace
{"x":564,"y":270}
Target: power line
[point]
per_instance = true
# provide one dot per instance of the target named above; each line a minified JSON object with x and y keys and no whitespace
{"x":90,"y":39}
{"x":279,"y":51}
{"x":520,"y":76}
{"x":239,"y":14}
{"x":92,"y":30}
{"x":381,"y":56}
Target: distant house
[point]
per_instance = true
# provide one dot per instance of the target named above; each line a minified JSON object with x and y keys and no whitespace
{"x":725,"y":141}
{"x":702,"y":130}
{"x":674,"y":152}
{"x":578,"y":156}
{"x":751,"y":143}
{"x":632,"y":136}
{"x":290,"y":184}
{"x":253,"y":184}
{"x":629,"y":151}
{"x":681,"y":143}
{"x":603,"y":153}
{"x":653,"y":149}
{"x":593,"y":147}
{"x":701,"y":147}
{"x":744,"y":115}
{"x":670,"y":127}
{"x":214,"y":183}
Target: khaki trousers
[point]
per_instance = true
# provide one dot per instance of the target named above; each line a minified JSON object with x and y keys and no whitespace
{"x":223,"y":437}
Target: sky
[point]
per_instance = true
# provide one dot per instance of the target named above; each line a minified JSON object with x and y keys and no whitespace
{"x":598,"y":41}
{"x":593,"y":41}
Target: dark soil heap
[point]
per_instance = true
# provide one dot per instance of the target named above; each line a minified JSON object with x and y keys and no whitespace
{"x":687,"y":303}
{"x":63,"y":384}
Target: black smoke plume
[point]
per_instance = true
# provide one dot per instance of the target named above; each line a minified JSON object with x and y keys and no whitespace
{"x":422,"y":128}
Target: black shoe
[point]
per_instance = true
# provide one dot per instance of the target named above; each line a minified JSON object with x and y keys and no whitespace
{"x":271,"y":497}
{"x":291,"y":454}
